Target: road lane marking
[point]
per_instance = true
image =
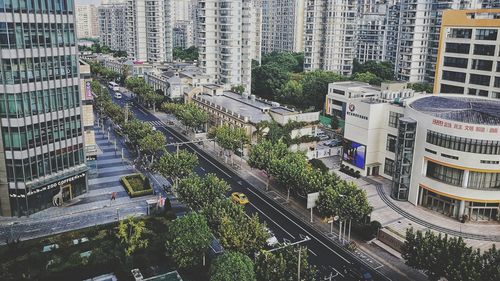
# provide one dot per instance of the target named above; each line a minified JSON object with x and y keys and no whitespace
{"x":195,"y":151}
{"x":312,"y":252}
{"x":203,"y":169}
{"x":310,"y":235}
{"x":272,"y":220}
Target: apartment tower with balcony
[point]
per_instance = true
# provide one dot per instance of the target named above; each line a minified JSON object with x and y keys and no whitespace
{"x":87,"y":25}
{"x":226,"y":34}
{"x":112,"y":26}
{"x":330,"y":35}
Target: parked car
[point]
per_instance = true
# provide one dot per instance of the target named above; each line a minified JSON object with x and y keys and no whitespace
{"x":239,"y":198}
{"x":332,"y":143}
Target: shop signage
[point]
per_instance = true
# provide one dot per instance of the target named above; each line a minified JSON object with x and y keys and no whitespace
{"x":351,"y":112}
{"x":51,"y":186}
{"x":470,"y":128}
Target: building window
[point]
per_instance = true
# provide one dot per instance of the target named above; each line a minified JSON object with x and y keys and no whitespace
{"x":391,"y":143}
{"x":484,"y":50}
{"x":486,"y":65}
{"x":455,"y":62}
{"x":490,"y":162}
{"x":449,"y":156}
{"x":389,"y":167}
{"x":460,"y":33}
{"x":444,"y":174}
{"x":464,"y":144}
{"x":457,"y":48}
{"x":430,"y":151}
{"x":497,"y":82}
{"x":394,"y":118}
{"x":480,"y":180}
{"x":478,"y":79}
{"x":454,"y":76}
{"x":451,"y":89}
{"x":486,"y":34}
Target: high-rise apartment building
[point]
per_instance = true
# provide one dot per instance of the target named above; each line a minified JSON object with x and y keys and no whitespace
{"x":372,"y":31}
{"x":149,"y":30}
{"x":183,"y":34}
{"x":330,"y":35}
{"x":418,"y":36}
{"x":42,"y":160}
{"x":283,"y":25}
{"x":87,"y":25}
{"x":112,"y":26}
{"x":227,"y":39}
{"x":469,"y":53}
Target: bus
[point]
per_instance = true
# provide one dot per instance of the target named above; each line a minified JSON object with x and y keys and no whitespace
{"x":111,"y":85}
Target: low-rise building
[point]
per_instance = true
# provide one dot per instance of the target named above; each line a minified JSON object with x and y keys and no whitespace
{"x":246,"y":111}
{"x":441,"y":152}
{"x":339,"y":93}
{"x":174,"y":79}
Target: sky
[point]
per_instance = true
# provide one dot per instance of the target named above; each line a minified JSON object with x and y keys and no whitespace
{"x":95,"y":2}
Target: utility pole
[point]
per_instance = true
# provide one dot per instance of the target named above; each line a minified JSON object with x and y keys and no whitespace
{"x":298,"y":266}
{"x":126,"y":112}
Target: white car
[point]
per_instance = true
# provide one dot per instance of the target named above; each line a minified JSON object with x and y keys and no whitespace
{"x":272,"y":240}
{"x":118,"y":95}
{"x":116,"y":89}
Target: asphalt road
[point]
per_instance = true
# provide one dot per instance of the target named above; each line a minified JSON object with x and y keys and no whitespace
{"x":322,"y":252}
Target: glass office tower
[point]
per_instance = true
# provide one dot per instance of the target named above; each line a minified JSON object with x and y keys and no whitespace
{"x":42,"y":161}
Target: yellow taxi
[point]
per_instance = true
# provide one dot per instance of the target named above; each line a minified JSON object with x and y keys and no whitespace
{"x":239,"y":198}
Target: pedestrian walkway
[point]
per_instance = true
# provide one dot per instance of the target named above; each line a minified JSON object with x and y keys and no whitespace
{"x":106,"y":181}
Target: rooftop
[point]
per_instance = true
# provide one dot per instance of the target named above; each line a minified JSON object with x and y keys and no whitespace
{"x":461,"y":109}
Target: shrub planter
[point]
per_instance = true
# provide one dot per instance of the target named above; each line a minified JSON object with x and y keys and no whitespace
{"x":136,"y":185}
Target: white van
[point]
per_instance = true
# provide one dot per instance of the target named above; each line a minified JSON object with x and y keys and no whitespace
{"x":118,"y":95}
{"x":112,"y":85}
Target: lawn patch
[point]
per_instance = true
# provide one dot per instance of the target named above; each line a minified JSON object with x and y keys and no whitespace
{"x":136,"y":185}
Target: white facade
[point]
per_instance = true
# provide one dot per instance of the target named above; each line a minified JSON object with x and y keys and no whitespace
{"x":283,"y":25}
{"x":226,"y":40}
{"x":183,"y":34}
{"x":441,"y":152}
{"x":330,"y":38}
{"x":87,"y":25}
{"x":112,"y":26}
{"x":150,"y":27}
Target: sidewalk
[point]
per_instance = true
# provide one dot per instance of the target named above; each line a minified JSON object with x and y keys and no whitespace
{"x":371,"y":255}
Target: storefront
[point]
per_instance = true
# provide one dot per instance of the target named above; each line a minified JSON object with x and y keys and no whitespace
{"x":47,"y":195}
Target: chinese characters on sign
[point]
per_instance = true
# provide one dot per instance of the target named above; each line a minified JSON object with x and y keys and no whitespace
{"x":470,"y":128}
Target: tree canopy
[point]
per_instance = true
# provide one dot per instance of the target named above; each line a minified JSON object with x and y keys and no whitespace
{"x":189,"y":54}
{"x":232,"y":266}
{"x":188,"y":239}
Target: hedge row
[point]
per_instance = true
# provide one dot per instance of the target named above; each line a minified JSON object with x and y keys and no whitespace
{"x":130,"y":190}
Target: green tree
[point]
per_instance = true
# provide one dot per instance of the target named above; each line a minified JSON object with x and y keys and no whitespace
{"x":153,"y":143}
{"x":224,"y":208}
{"x":345,"y":200}
{"x":189,"y":54}
{"x":229,"y":138}
{"x":198,"y":193}
{"x":239,"y":89}
{"x":232,"y":266}
{"x":264,"y":153}
{"x":292,"y":93}
{"x":367,"y":77}
{"x":176,"y":165}
{"x":242,"y":234}
{"x":421,"y":87}
{"x":188,"y":239}
{"x":490,"y":264}
{"x":131,"y":235}
{"x":189,"y":114}
{"x":135,"y":130}
{"x":290,"y":171}
{"x":444,"y":257}
{"x":384,"y":69}
{"x":318,"y":164}
{"x":267,"y":80}
{"x":284,"y":264}
{"x":315,"y":87}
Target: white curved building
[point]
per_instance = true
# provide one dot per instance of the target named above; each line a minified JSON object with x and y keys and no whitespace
{"x":441,"y":152}
{"x":456,"y":156}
